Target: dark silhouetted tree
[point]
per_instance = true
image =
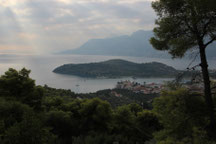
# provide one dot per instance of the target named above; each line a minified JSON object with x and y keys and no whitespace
{"x":17,"y":85}
{"x":183,"y":25}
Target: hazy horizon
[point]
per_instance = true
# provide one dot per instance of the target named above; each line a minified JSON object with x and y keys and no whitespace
{"x":49,"y":26}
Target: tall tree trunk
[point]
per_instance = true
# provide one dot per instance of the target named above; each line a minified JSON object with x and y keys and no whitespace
{"x":207,"y":86}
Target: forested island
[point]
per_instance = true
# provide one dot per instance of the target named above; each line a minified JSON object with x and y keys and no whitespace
{"x":117,"y":68}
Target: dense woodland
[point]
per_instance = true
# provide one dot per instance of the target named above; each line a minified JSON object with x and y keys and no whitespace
{"x":33,"y":114}
{"x":117,"y":68}
{"x":120,"y":68}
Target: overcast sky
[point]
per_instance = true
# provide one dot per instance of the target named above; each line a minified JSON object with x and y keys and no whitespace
{"x":48,"y":26}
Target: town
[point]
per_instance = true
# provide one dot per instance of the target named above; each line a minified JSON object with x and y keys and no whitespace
{"x":155,"y":88}
{"x":152,"y":88}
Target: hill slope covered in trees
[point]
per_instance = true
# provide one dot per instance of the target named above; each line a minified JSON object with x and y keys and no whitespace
{"x":117,"y":68}
{"x":33,"y":114}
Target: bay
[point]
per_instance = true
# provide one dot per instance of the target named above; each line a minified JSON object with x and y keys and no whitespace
{"x":41,"y":67}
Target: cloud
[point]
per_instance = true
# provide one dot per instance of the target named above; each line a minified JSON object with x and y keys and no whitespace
{"x":53,"y":25}
{"x":15,"y":49}
{"x":27,"y":36}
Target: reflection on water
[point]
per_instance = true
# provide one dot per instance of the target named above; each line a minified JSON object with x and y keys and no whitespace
{"x":42,"y":67}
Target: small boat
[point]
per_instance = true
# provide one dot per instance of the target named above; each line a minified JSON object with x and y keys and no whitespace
{"x":134,"y":78}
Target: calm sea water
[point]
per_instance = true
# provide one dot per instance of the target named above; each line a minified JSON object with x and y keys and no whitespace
{"x":42,"y":66}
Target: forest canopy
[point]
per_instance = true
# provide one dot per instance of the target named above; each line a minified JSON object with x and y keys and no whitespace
{"x":34,"y":114}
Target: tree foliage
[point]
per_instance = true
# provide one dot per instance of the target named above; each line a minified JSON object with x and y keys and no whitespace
{"x":177,"y":117}
{"x":19,"y":86}
{"x":181,"y":24}
{"x":32,"y":114}
{"x":183,"y":116}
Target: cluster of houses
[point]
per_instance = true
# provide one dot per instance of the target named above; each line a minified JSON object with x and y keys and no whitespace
{"x":155,"y":88}
{"x":152,"y":88}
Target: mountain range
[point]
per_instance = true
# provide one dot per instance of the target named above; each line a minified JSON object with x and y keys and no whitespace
{"x":137,"y":45}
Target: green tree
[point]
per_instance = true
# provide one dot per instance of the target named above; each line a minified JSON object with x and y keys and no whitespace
{"x":11,"y":113}
{"x":96,"y":115}
{"x":17,"y":85}
{"x":19,"y":124}
{"x":61,"y":125}
{"x":134,"y":124}
{"x":54,"y":102}
{"x":124,"y":121}
{"x":147,"y":123}
{"x":183,"y":25}
{"x":29,"y":131}
{"x":183,"y":116}
{"x":135,"y":108}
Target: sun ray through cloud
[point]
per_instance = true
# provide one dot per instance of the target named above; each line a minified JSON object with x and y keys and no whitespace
{"x":48,"y":26}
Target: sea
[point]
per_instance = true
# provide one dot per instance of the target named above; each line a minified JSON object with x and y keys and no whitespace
{"x":41,"y":67}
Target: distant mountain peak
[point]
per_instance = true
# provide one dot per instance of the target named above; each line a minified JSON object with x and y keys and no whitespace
{"x":139,"y":32}
{"x":137,"y":44}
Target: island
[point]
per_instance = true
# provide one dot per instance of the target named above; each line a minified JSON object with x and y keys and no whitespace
{"x":117,"y":68}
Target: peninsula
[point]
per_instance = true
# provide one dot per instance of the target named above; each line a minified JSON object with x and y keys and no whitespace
{"x":117,"y":68}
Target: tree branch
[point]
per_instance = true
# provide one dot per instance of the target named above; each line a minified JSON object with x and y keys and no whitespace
{"x":205,"y":27}
{"x":211,"y":41}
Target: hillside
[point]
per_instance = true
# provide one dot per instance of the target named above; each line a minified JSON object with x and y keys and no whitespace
{"x":137,"y":44}
{"x":117,"y":68}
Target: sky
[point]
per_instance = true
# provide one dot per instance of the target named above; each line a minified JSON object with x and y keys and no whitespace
{"x":50,"y":26}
